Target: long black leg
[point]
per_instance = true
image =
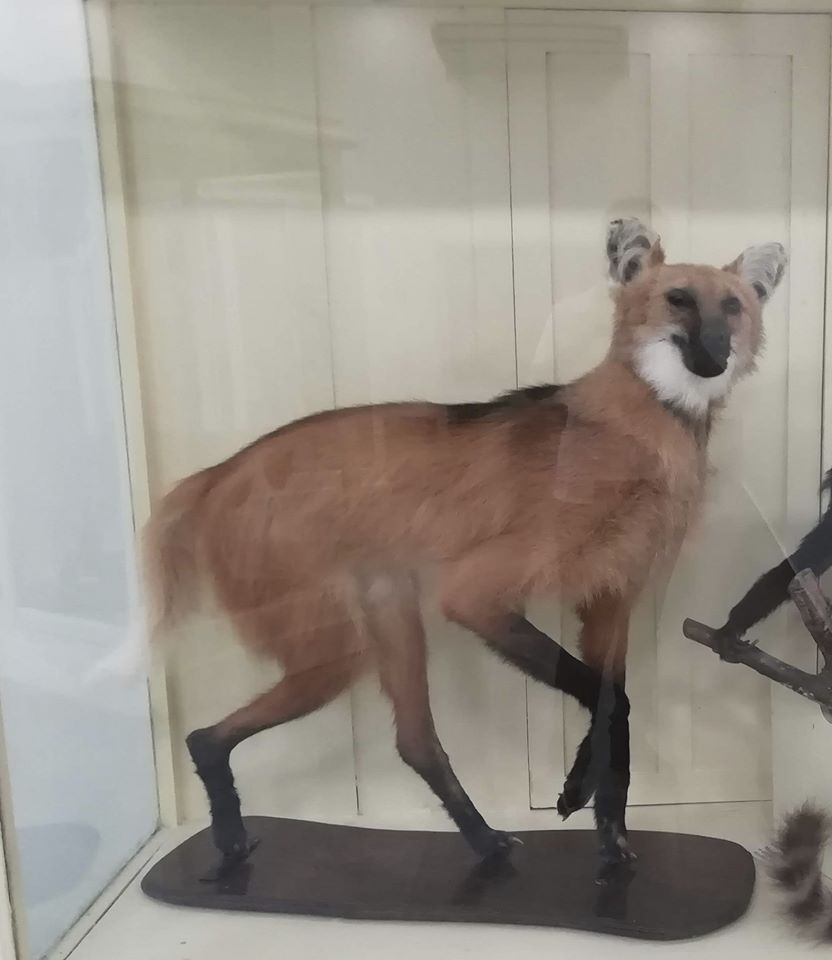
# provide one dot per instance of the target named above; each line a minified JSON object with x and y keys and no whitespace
{"x":580,"y":783}
{"x":520,"y":643}
{"x":212,"y":759}
{"x":612,"y":718}
{"x":395,"y":623}
{"x":603,"y":763}
{"x":602,"y":768}
{"x":210,"y":748}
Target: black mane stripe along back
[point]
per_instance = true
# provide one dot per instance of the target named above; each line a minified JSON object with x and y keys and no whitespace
{"x":520,"y":399}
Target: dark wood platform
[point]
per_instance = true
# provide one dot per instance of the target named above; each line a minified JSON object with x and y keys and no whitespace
{"x":681,"y":887}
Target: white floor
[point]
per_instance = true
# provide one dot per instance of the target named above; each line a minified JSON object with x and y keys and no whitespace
{"x":135,"y":928}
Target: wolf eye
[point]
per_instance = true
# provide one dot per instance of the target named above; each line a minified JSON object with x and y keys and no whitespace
{"x":731,"y":306}
{"x":679,"y":298}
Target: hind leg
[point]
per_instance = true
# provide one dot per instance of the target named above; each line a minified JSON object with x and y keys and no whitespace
{"x":398,"y":638}
{"x":296,"y":695}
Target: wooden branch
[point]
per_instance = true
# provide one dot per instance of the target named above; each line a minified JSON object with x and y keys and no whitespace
{"x":814,"y":611}
{"x":816,"y":687}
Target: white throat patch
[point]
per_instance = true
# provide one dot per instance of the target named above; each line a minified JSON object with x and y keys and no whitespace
{"x":659,"y":363}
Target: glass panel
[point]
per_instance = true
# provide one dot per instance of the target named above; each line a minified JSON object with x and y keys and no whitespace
{"x":73,"y":693}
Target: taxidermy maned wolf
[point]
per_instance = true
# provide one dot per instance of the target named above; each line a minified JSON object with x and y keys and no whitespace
{"x":319,"y":540}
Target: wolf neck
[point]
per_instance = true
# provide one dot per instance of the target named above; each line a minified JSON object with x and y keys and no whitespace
{"x":615,"y":390}
{"x":699,"y":425}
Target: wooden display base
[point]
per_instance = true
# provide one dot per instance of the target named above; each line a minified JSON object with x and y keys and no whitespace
{"x":681,"y":887}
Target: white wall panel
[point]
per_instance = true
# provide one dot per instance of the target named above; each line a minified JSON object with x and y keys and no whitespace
{"x":419,"y":258}
{"x":220,"y":151}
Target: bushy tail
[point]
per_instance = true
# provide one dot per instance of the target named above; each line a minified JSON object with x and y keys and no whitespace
{"x":795,"y":866}
{"x":169,"y":548}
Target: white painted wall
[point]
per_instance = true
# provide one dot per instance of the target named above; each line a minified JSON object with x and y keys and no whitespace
{"x":219,"y":131}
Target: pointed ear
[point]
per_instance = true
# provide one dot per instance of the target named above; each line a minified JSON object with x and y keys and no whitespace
{"x":762,"y":267}
{"x":631,"y":246}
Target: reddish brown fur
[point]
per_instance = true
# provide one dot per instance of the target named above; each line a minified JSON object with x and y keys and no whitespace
{"x":293,"y":530}
{"x":320,"y":540}
{"x":577,"y":497}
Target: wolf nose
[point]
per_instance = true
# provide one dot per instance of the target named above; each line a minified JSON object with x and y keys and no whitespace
{"x":714,"y":348}
{"x":717,"y":343}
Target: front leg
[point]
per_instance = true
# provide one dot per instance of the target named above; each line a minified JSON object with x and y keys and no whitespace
{"x":602,"y":764}
{"x":614,"y":782}
{"x":604,"y":756}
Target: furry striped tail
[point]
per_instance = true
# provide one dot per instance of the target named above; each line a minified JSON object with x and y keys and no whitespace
{"x":795,"y":866}
{"x":170,"y":551}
